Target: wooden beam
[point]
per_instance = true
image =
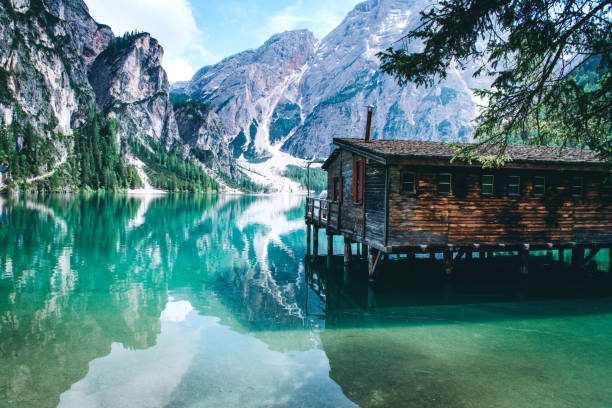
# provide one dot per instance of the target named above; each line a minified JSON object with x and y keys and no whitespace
{"x":592,"y":254}
{"x":330,"y":244}
{"x":448,"y":262}
{"x":315,"y":241}
{"x":307,"y":239}
{"x":577,"y":257}
{"x":459,"y":254}
{"x":347,"y":251}
{"x":524,"y":255}
{"x":374,"y":256}
{"x":386,"y":225}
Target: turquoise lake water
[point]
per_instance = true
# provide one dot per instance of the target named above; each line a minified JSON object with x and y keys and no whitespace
{"x":182,"y":301}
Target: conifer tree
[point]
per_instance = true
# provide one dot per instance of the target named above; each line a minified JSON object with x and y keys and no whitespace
{"x":537,"y":53}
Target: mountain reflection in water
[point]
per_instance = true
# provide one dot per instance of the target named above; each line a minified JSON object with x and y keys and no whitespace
{"x":208,"y":301}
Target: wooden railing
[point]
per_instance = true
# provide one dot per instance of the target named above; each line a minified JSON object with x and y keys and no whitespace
{"x":322,"y":213}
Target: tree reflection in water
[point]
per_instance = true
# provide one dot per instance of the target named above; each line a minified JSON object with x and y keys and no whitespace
{"x":199,"y":300}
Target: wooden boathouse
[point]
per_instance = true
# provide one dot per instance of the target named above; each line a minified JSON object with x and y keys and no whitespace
{"x":407,"y":197}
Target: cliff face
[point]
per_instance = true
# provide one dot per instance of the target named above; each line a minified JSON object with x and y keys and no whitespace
{"x":344,"y":77}
{"x":296,"y":94}
{"x":202,"y":129}
{"x":57,"y":63}
{"x":131,"y":85}
{"x":41,"y":67}
{"x":245,"y":89}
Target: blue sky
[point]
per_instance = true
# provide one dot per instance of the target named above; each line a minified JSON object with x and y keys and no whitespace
{"x":195,"y":33}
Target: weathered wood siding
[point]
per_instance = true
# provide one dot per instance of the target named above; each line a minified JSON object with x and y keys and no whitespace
{"x":467,"y":216}
{"x":375,"y":175}
{"x":351,"y":214}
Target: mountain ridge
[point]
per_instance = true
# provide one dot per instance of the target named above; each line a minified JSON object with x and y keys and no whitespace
{"x":327,"y":97}
{"x":76,"y":98}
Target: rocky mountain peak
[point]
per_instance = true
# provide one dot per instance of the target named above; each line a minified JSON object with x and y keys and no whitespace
{"x":130,"y":83}
{"x":299,"y":94}
{"x":244,"y":89}
{"x":344,"y":77}
{"x":129,"y":70}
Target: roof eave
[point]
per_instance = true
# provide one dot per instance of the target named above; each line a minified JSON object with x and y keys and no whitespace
{"x":369,"y":153}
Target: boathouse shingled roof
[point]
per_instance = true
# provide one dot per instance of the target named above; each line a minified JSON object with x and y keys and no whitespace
{"x":386,"y":148}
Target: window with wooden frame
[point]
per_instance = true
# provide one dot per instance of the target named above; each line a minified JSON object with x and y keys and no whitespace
{"x":577,"y":186}
{"x":445,"y":183}
{"x":358,"y":179}
{"x":514,"y":185}
{"x":539,"y":185}
{"x":487,"y":181}
{"x":408,"y":183}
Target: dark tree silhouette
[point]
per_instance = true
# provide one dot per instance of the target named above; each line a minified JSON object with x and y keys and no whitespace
{"x":549,"y":61}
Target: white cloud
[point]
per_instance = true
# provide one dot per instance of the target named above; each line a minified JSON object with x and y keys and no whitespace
{"x":320,"y":20}
{"x":178,"y":70}
{"x":171,"y":22}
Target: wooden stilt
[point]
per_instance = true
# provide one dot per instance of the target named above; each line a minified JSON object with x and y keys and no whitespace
{"x":411,"y":256}
{"x":346,"y":275}
{"x":330,"y":245}
{"x":432,"y":255}
{"x":315,"y":241}
{"x":307,"y":239}
{"x":364,"y":251}
{"x":347,"y":251}
{"x":469,"y":264}
{"x":577,"y":257}
{"x":374,"y":256}
{"x":371,"y":299}
{"x":524,"y":268}
{"x":448,"y":262}
{"x":468,"y":258}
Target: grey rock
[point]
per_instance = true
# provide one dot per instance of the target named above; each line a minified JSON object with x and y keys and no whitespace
{"x":244,"y":89}
{"x":300,"y":94}
{"x":203,"y":131}
{"x":56,"y":63}
{"x":131,"y":85}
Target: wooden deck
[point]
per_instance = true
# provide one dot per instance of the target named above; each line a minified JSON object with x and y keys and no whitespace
{"x":326,"y":214}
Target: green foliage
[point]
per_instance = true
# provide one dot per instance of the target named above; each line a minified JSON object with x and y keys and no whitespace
{"x":168,"y":170}
{"x":202,"y":155}
{"x":245,"y":184}
{"x":238,"y":143}
{"x":97,"y":156}
{"x":24,"y":151}
{"x":550,"y":63}
{"x":342,"y":96}
{"x":5,"y":94}
{"x":117,"y":44}
{"x":194,"y":107}
{"x":224,"y":103}
{"x":281,"y":128}
{"x":318,"y":177}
